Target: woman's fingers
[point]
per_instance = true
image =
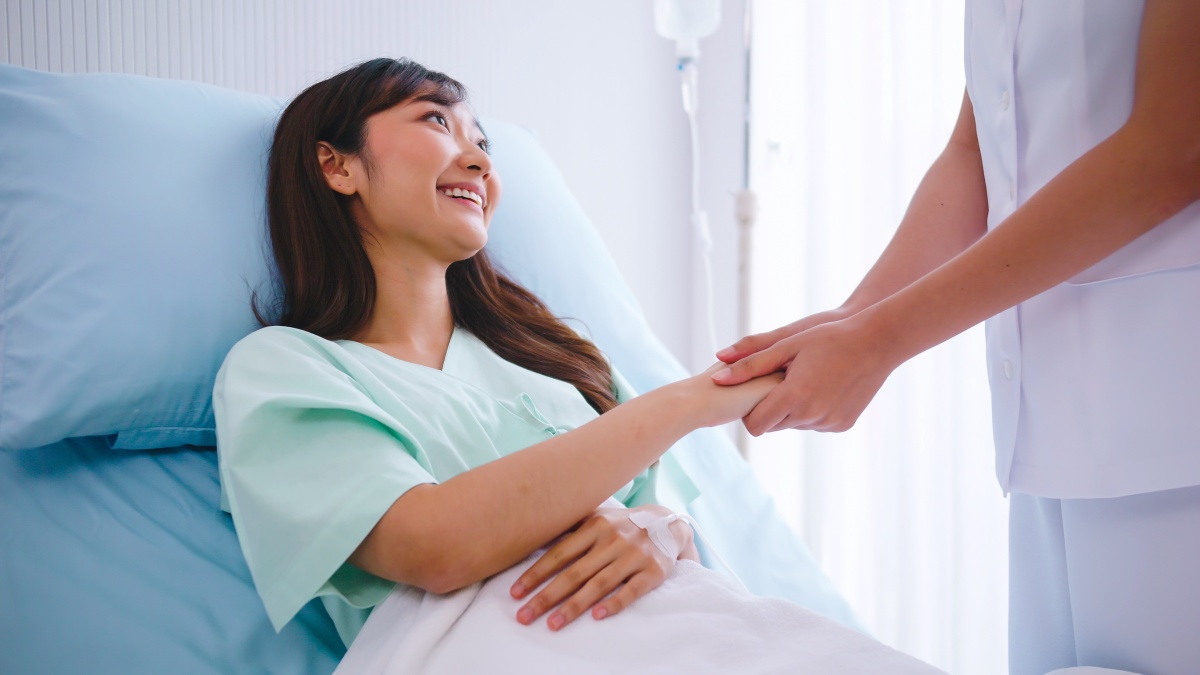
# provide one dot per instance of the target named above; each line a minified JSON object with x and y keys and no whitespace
{"x":580,"y":573}
{"x":563,"y":553}
{"x":634,"y":588}
{"x":591,"y":593}
{"x":633,"y":571}
{"x":618,"y":552}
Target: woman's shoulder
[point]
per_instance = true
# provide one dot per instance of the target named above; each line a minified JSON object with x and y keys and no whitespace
{"x":278,"y":361}
{"x":282,"y":349}
{"x":274,"y":338}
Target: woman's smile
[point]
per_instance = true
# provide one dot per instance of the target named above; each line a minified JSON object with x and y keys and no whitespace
{"x":469,"y":195}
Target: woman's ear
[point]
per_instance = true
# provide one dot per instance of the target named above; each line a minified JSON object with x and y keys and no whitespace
{"x":336,"y":167}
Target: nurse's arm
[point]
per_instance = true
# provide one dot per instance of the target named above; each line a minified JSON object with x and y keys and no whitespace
{"x":948,"y":213}
{"x":1140,"y":176}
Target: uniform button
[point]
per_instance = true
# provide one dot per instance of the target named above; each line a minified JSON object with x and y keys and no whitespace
{"x":1008,"y":369}
{"x":1005,"y":99}
{"x":1012,"y":192}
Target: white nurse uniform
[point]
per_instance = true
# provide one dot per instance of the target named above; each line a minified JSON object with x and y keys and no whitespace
{"x":1095,"y":382}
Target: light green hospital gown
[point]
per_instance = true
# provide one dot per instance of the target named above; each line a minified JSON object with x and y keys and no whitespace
{"x":316,"y":440}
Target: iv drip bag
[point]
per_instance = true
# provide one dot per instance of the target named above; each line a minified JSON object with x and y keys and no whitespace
{"x":685,"y":22}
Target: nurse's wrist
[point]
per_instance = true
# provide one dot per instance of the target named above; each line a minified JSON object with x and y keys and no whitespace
{"x":857,"y":302}
{"x":887,"y":334}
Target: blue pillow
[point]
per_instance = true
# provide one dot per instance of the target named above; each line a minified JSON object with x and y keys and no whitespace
{"x":129,"y":235}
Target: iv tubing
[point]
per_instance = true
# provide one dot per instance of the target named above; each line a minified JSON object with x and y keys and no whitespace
{"x":688,"y":80}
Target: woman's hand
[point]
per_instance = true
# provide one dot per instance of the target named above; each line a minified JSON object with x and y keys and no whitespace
{"x":605,"y":551}
{"x":709,"y":404}
{"x":834,"y":369}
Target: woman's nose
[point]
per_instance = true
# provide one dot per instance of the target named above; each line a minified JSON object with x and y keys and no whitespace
{"x":476,"y":158}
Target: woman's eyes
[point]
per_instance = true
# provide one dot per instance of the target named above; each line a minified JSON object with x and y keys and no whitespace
{"x":443,"y":121}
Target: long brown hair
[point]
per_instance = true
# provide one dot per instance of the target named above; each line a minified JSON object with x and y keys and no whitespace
{"x":326,"y":279}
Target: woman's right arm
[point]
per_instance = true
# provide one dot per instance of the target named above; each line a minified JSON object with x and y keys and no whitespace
{"x":444,"y":536}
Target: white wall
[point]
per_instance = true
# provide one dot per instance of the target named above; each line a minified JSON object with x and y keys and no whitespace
{"x":593,"y":80}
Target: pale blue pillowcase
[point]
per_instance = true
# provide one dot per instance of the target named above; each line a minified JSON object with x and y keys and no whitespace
{"x":129,"y":234}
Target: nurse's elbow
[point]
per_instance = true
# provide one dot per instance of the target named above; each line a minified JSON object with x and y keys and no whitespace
{"x":1188,"y":158}
{"x":1188,"y":170}
{"x":1194,"y":173}
{"x":1172,"y":148}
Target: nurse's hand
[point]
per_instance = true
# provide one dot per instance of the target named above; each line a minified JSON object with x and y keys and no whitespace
{"x":833,"y":370}
{"x":752,"y":344}
{"x":605,"y":552}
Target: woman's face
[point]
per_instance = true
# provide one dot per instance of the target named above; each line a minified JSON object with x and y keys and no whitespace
{"x":430,"y":188}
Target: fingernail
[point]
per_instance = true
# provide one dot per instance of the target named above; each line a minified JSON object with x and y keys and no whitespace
{"x":721,"y":374}
{"x":725,"y":353}
{"x":600,"y":613}
{"x":556,"y":621}
{"x":518,"y":590}
{"x":525,"y":615}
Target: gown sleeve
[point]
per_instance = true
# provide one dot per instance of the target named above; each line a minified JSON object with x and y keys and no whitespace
{"x":308,"y":465}
{"x":665,"y":481}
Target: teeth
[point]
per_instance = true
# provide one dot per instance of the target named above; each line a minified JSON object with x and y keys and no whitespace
{"x":459,"y":192}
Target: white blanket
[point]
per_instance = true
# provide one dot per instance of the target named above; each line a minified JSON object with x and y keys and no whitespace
{"x":695,"y":622}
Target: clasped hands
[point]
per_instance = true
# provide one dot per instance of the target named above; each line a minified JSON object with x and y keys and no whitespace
{"x":833,"y":363}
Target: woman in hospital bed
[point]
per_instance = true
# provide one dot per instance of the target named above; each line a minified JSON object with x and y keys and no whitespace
{"x":415,"y":438}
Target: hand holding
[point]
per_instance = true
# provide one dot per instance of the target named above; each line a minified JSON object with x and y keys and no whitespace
{"x":606,"y":551}
{"x":833,"y":369}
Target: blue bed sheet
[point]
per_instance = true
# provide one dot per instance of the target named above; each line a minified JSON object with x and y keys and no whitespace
{"x":97,"y":547}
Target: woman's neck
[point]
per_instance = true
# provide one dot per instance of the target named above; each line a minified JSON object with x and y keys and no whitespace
{"x":411,"y":319}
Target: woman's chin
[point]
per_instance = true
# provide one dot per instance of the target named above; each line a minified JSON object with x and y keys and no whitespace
{"x":468,"y":251}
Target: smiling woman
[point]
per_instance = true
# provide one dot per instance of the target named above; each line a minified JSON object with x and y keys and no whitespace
{"x":389,"y":138}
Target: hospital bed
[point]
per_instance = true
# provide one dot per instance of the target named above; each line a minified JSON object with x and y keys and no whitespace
{"x":131,"y":237}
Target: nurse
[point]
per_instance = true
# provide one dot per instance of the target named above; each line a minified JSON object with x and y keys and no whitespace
{"x":1064,"y":212}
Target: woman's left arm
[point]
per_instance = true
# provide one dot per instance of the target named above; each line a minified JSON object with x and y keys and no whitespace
{"x":1140,"y":176}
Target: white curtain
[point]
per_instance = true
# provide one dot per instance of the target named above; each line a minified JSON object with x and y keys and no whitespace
{"x":851,"y":100}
